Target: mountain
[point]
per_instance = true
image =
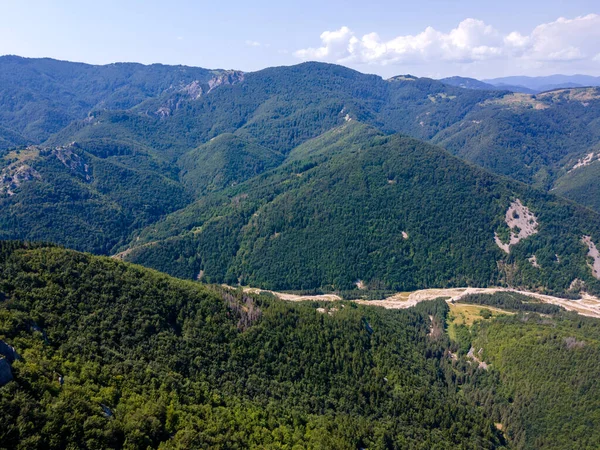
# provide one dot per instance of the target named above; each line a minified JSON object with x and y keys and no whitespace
{"x":547,"y":83}
{"x":154,"y":125}
{"x":580,"y":180}
{"x":88,"y":195}
{"x":468,"y":83}
{"x":224,"y":161}
{"x":472,"y":83}
{"x":390,"y":211}
{"x":526,"y":137}
{"x":112,"y":355}
{"x":531,"y":138}
{"x":41,"y":96}
{"x":514,"y":88}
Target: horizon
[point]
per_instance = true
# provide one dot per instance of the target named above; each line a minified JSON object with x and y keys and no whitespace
{"x":297,"y":64}
{"x":475,"y":39}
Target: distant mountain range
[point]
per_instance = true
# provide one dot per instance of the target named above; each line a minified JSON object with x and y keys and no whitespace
{"x":522,"y":84}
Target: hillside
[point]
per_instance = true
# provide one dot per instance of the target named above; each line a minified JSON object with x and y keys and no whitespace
{"x":88,"y":196}
{"x":527,"y":137}
{"x":117,"y":356}
{"x":469,"y":83}
{"x":112,"y":355}
{"x":41,"y":96}
{"x":394,"y":212}
{"x":224,"y":161}
{"x":547,"y":83}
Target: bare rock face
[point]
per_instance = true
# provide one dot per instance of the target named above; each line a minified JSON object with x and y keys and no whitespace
{"x":13,"y":176}
{"x":594,"y":254}
{"x":5,"y":372}
{"x":522,"y":223}
{"x":194,"y":89}
{"x":70,"y":159}
{"x":197,"y":89}
{"x":227,"y":77}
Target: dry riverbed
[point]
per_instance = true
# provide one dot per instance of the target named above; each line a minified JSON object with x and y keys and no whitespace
{"x":587,"y":306}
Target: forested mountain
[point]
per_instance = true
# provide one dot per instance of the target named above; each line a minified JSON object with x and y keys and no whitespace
{"x":531,"y":138}
{"x":111,"y":355}
{"x":469,"y":83}
{"x":88,"y":195}
{"x":392,"y":211}
{"x":224,"y":161}
{"x":117,"y":356}
{"x":144,"y":153}
{"x":39,"y":97}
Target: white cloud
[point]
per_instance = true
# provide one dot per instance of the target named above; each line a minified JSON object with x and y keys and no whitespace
{"x":471,"y":41}
{"x":253,"y":43}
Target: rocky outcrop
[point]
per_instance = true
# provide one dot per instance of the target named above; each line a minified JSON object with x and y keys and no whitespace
{"x":197,"y":89}
{"x":594,"y":254}
{"x":73,"y":161}
{"x":8,"y":352}
{"x":5,"y":372}
{"x":226,"y":77}
{"x":13,"y":176}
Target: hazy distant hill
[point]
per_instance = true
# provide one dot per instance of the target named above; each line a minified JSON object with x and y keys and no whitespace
{"x":546,"y":83}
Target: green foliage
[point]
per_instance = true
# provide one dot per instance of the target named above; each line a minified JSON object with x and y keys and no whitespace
{"x":511,"y":301}
{"x":151,"y":361}
{"x":86,"y":202}
{"x":224,"y":161}
{"x":335,"y":211}
{"x":41,"y":96}
{"x":581,"y":185}
{"x":542,"y":384}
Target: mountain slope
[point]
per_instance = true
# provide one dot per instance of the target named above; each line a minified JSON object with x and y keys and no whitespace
{"x":581,"y":180}
{"x":281,"y":107}
{"x":41,"y":96}
{"x":355,"y":204}
{"x":118,"y":356}
{"x":548,"y":82}
{"x":529,"y":138}
{"x":224,"y":161}
{"x":86,"y":196}
{"x":468,"y":83}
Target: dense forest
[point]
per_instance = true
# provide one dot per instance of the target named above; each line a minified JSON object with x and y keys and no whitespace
{"x":355,"y":204}
{"x":113,"y":355}
{"x":172,"y":134}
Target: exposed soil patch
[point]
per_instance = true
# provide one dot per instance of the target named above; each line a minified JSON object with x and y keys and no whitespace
{"x":517,"y":101}
{"x":572,"y":94}
{"x":475,"y":357}
{"x":534,"y":262}
{"x":585,"y":161}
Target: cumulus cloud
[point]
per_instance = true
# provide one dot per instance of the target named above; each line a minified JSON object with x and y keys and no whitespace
{"x":471,"y":41}
{"x":252,"y":43}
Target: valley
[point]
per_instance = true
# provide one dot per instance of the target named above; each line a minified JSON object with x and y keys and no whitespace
{"x":302,"y":256}
{"x":587,"y":305}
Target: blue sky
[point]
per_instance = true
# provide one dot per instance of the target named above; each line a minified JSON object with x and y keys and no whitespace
{"x":425,"y":37}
